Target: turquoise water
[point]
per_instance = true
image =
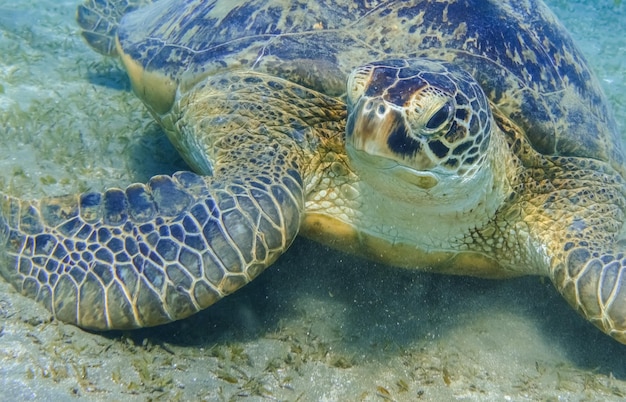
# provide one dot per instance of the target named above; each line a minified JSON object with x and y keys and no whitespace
{"x":354,"y":329}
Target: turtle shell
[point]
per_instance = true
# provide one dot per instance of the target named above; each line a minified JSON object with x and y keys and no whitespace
{"x":524,"y":59}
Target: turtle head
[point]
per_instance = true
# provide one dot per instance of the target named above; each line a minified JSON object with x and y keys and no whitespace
{"x":424,"y":122}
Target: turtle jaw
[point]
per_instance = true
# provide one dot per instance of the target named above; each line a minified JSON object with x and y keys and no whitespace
{"x":435,"y":191}
{"x":385,"y":167}
{"x":447,"y":204}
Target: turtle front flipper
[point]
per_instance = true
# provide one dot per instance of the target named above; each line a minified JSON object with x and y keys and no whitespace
{"x":99,"y":19}
{"x":577,"y":209}
{"x":595,"y":284}
{"x":149,"y":254}
{"x":159,"y":252}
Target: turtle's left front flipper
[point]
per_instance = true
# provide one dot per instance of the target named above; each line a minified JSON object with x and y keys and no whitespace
{"x":584,"y":213}
{"x":594,"y":284}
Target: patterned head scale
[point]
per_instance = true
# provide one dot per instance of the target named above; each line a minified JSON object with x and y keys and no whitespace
{"x":421,"y":114}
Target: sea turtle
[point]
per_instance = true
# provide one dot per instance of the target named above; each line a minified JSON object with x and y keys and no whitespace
{"x":463,"y":137}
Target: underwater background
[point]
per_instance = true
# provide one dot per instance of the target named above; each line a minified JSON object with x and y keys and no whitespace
{"x":318,"y":325}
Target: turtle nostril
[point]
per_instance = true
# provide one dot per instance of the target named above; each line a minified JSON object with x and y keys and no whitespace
{"x":381,"y":110}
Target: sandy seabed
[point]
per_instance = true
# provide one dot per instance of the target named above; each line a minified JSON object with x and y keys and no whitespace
{"x":319,"y":325}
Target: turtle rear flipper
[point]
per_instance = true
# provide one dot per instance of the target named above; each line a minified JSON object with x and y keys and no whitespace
{"x":99,"y":19}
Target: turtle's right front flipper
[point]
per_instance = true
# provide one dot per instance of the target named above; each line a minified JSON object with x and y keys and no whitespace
{"x":149,"y":254}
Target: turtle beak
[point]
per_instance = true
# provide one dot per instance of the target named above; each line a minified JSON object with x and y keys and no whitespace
{"x":373,"y":123}
{"x":377,"y":128}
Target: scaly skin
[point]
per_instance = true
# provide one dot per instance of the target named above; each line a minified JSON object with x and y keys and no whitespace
{"x":574,"y":210}
{"x":159,"y":252}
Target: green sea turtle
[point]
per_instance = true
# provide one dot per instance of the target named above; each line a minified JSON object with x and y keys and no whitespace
{"x":463,"y":137}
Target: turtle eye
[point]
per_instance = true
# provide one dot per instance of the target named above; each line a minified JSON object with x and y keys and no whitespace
{"x":440,"y":118}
